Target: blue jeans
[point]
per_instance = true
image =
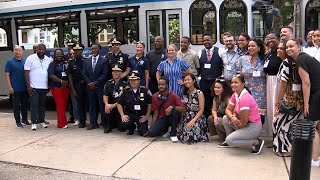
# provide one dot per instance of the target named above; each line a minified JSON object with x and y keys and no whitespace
{"x":38,"y":105}
{"x":160,"y":127}
{"x":20,"y":106}
{"x":75,"y":106}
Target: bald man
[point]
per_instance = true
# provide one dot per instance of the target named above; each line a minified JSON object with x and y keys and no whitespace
{"x":14,"y":74}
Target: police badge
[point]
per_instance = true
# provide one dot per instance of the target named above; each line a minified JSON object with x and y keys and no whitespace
{"x":141,"y":96}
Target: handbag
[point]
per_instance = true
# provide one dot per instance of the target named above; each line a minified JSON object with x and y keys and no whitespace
{"x":284,"y":109}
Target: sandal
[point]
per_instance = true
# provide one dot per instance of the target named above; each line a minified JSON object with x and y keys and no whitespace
{"x":287,"y":154}
{"x":280,"y":154}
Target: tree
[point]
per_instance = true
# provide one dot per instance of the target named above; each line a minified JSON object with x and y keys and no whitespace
{"x":55,"y":43}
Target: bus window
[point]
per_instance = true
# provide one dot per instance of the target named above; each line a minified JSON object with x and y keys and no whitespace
{"x":71,"y":32}
{"x":205,"y":10}
{"x":312,"y":16}
{"x":119,"y":23}
{"x":3,"y":38}
{"x":231,"y":13}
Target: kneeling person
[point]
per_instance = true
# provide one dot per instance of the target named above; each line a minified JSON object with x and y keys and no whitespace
{"x":167,"y":107}
{"x":112,"y":89}
{"x":134,"y":106}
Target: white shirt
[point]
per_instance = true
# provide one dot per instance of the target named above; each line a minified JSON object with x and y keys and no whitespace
{"x":97,"y":57}
{"x":312,"y":51}
{"x":38,"y":68}
{"x":220,"y":51}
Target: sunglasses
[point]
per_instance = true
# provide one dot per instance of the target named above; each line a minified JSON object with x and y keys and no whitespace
{"x":220,"y":79}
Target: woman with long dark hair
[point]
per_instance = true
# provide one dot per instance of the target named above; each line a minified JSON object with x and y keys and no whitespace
{"x":193,"y":127}
{"x":221,"y":92}
{"x":59,"y":86}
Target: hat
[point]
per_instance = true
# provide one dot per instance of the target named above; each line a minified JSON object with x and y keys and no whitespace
{"x":134,"y":76}
{"x":78,"y":47}
{"x":115,"y":42}
{"x":70,"y":43}
{"x":109,"y":45}
{"x":116,"y":67}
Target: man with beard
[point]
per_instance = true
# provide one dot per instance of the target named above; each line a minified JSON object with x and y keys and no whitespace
{"x":167,"y":108}
{"x":94,"y":72}
{"x":286,"y":33}
{"x":36,"y":77}
{"x":155,"y":56}
{"x":229,"y":58}
{"x":271,"y":68}
{"x":77,"y":83}
{"x":211,"y":67}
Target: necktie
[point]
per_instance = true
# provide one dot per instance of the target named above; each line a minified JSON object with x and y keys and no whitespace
{"x":94,"y":63}
{"x":209,"y":55}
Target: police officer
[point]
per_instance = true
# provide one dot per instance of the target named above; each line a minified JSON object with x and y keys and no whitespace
{"x":134,"y":105}
{"x":116,"y":57}
{"x":77,"y":84}
{"x":112,"y":89}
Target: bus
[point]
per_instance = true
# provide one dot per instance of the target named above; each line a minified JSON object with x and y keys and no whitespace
{"x":54,"y":22}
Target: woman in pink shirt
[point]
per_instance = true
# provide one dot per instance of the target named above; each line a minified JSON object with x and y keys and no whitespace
{"x":242,"y":121}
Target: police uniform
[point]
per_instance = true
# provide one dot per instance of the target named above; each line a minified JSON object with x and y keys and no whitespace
{"x":112,"y":91}
{"x":120,"y":59}
{"x":75,"y":70}
{"x":135,"y":105}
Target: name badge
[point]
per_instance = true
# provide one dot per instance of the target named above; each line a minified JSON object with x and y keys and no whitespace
{"x":228,"y":68}
{"x":256,"y":74}
{"x":207,"y":66}
{"x":296,"y":87}
{"x":63,"y":74}
{"x":137,"y":107}
{"x":266,"y":64}
{"x":162,"y":56}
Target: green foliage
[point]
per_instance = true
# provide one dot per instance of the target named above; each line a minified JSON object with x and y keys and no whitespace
{"x":174,"y":31}
{"x":68,"y":35}
{"x":55,"y":43}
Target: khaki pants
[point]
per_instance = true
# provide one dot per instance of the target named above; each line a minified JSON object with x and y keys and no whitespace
{"x":217,"y":129}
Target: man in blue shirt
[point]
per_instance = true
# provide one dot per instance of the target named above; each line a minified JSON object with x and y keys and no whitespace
{"x":14,"y":74}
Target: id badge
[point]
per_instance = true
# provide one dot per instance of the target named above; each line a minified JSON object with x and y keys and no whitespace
{"x":207,"y":66}
{"x":162,"y":56}
{"x":228,"y":68}
{"x":256,"y":74}
{"x":115,"y":94}
{"x":266,"y":64}
{"x":137,"y":107}
{"x":63,"y":74}
{"x":296,"y":87}
{"x":135,"y":71}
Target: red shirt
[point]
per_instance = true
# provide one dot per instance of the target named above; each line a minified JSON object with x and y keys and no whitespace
{"x":172,"y":100}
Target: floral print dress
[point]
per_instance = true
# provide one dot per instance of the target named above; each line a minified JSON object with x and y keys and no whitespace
{"x":256,"y":84}
{"x":198,"y":132}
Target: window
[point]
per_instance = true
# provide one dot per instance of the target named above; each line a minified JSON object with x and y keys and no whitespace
{"x":3,"y":38}
{"x":203,"y":21}
{"x":104,"y":25}
{"x":312,"y":15}
{"x":233,"y":17}
{"x":36,"y":40}
{"x":24,"y":37}
{"x":71,"y":32}
{"x":48,"y":38}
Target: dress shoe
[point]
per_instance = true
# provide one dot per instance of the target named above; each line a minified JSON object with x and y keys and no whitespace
{"x":108,"y":130}
{"x":92,"y":127}
{"x":131,"y":130}
{"x":82,"y":125}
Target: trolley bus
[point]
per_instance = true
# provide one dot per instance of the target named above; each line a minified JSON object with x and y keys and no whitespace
{"x":54,"y":22}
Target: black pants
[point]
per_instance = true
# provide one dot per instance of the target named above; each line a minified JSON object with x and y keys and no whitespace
{"x":153,"y":85}
{"x":20,"y":106}
{"x":80,"y":88}
{"x":134,"y":118}
{"x":161,"y":126}
{"x":205,"y":87}
{"x":112,"y":120}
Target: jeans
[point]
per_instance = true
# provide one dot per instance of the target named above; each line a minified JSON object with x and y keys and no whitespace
{"x":38,"y":105}
{"x":75,"y":106}
{"x":20,"y":106}
{"x":160,"y":127}
{"x":241,"y":137}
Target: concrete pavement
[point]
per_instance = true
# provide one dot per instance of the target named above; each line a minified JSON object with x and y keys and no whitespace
{"x":118,"y":156}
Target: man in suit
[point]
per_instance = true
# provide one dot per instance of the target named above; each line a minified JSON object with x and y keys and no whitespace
{"x":94,"y":72}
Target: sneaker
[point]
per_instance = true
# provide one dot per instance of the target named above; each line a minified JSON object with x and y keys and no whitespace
{"x":256,"y":149}
{"x":224,"y":145}
{"x":315,"y":163}
{"x":19,"y":125}
{"x":76,"y":123}
{"x":34,"y":127}
{"x":166,"y":135}
{"x":65,"y":127}
{"x":43,"y":125}
{"x":25,"y":123}
{"x":46,"y":122}
{"x":174,"y":139}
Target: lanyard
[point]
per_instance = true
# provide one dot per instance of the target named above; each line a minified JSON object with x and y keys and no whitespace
{"x":60,"y":64}
{"x":136,"y":63}
{"x":231,"y":58}
{"x":256,"y":63}
{"x":134,"y":95}
{"x":269,"y":55}
{"x":115,"y":87}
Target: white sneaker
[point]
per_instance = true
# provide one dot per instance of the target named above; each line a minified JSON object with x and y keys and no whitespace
{"x":315,"y":163}
{"x":174,"y":139}
{"x":65,"y":127}
{"x":34,"y":127}
{"x":43,"y":125}
{"x":76,"y":123}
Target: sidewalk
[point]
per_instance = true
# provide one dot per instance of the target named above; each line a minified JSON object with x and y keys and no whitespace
{"x":118,"y":156}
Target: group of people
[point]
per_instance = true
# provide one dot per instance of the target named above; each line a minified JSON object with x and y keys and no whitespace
{"x":230,"y":91}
